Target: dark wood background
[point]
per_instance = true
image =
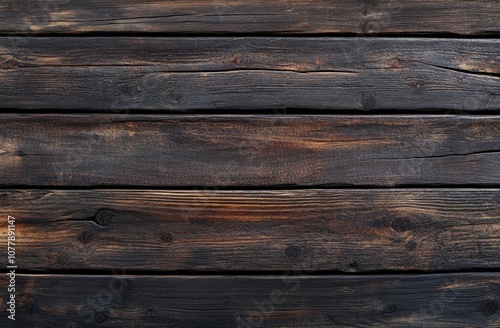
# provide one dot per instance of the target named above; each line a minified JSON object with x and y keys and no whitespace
{"x":265,"y":163}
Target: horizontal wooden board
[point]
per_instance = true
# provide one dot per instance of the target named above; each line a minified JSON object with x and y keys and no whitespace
{"x":204,"y":74}
{"x":318,"y":230}
{"x":444,"y":300}
{"x":257,"y":16}
{"x":248,"y":151}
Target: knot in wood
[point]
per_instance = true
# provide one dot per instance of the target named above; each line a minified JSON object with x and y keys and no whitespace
{"x":490,"y":307}
{"x":10,"y":64}
{"x":167,"y":237}
{"x":85,"y":237}
{"x":100,"y":317}
{"x":389,"y":308}
{"x":400,"y":225}
{"x":103,"y":217}
{"x":351,"y":264}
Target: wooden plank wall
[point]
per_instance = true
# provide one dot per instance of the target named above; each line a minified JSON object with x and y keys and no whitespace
{"x":264,"y":163}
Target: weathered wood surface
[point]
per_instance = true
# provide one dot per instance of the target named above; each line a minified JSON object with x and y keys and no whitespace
{"x":258,"y":16}
{"x":144,"y":193}
{"x":443,"y":300}
{"x":203,"y":74}
{"x":248,"y":151}
{"x":347,"y":230}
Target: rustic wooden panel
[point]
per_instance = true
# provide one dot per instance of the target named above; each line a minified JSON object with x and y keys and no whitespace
{"x":258,"y":151}
{"x":203,"y":74}
{"x":444,"y":300}
{"x":257,"y":16}
{"x":348,"y":230}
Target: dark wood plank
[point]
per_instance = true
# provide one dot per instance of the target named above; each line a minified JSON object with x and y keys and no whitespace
{"x":347,"y":230}
{"x":258,"y":16}
{"x":203,"y":74}
{"x":443,"y":300}
{"x":248,"y":151}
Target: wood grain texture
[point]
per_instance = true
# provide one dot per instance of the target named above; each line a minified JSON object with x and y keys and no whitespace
{"x":445,"y":300}
{"x":207,"y":74}
{"x":313,"y":230}
{"x":259,"y":16}
{"x":248,"y":151}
